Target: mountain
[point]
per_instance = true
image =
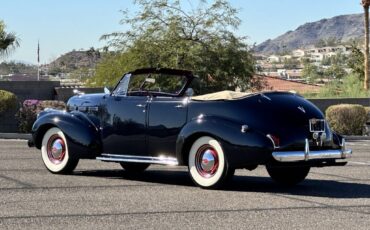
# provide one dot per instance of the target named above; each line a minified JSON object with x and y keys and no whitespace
{"x":74,"y":60}
{"x":343,"y":28}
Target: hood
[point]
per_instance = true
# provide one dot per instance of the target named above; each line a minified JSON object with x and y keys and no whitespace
{"x":85,"y":102}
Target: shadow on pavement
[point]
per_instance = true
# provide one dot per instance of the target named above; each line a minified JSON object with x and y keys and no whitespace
{"x":309,"y":187}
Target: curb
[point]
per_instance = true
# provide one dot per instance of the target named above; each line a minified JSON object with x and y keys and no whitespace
{"x":357,"y":138}
{"x":22,"y":136}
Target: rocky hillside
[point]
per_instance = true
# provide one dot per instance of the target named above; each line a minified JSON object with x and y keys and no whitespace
{"x":74,"y":60}
{"x":343,"y":28}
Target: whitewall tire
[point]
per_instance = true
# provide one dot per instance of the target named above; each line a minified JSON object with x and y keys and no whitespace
{"x":55,"y":153}
{"x":208,"y":166}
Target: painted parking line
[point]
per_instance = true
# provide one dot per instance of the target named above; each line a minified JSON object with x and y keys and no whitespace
{"x":358,"y":144}
{"x":359,"y":163}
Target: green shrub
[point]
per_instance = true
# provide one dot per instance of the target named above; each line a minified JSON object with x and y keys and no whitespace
{"x":368,"y":114}
{"x":346,"y":119}
{"x":27,"y":114}
{"x":7,"y":101}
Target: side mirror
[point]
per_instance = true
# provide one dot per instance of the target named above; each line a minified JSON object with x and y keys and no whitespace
{"x":189,"y":92}
{"x":106,"y":90}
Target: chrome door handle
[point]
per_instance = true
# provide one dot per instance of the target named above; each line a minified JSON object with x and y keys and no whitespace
{"x":179,"y":106}
{"x":141,"y":105}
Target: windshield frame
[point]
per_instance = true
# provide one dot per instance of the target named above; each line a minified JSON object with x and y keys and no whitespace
{"x":169,"y":72}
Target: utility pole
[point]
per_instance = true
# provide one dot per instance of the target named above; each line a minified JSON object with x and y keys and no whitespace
{"x":38,"y":60}
{"x":366,"y":4}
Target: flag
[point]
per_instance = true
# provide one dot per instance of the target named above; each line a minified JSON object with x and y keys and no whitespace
{"x":38,"y":52}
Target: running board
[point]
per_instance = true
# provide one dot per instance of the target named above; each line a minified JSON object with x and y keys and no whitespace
{"x":138,"y":159}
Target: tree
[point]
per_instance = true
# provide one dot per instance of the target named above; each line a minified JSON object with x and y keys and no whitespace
{"x":335,"y":72}
{"x":366,"y":4}
{"x":163,"y":33}
{"x":93,"y":56}
{"x":8,"y":41}
{"x":331,"y":41}
{"x":291,"y":63}
{"x":311,"y":72}
{"x":356,"y":62}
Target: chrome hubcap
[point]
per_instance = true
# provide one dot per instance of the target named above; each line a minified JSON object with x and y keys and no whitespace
{"x":206,"y":161}
{"x":56,"y":149}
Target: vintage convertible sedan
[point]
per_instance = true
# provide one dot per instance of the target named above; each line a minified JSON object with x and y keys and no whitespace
{"x":152,"y":117}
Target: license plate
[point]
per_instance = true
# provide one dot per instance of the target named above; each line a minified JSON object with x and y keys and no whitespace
{"x":317,"y":125}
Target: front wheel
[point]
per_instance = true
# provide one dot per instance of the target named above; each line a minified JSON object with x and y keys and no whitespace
{"x":288,"y":175}
{"x":208,"y":166}
{"x":55,"y":154}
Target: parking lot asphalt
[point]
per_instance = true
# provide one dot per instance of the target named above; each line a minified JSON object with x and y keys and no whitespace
{"x":101,"y":195}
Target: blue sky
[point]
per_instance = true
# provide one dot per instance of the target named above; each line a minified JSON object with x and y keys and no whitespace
{"x":64,"y":25}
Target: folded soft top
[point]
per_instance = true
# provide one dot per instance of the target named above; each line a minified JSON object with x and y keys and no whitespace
{"x":222,"y":95}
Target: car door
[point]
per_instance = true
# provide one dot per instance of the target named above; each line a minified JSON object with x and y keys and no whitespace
{"x":124,"y":127}
{"x":167,"y":115}
{"x":124,"y":120}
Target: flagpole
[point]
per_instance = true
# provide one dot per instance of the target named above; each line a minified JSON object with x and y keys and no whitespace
{"x":38,"y":60}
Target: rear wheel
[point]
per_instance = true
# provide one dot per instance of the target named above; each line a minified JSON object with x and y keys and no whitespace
{"x":55,"y":153}
{"x":208,"y":166}
{"x":288,"y":175}
{"x":134,"y":167}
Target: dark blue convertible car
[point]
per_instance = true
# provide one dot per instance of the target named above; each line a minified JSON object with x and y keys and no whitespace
{"x":152,"y":117}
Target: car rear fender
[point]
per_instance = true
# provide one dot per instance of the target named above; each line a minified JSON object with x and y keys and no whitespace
{"x":81,"y":133}
{"x":241,"y":147}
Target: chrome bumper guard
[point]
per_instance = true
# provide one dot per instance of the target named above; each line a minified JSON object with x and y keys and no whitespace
{"x":295,"y":156}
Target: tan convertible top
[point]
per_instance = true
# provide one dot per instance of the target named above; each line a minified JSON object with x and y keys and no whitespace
{"x":222,"y":95}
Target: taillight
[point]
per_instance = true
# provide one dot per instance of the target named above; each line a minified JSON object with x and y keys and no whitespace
{"x":275,"y":140}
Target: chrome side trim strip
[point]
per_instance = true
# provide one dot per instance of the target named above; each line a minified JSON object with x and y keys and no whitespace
{"x":138,"y":159}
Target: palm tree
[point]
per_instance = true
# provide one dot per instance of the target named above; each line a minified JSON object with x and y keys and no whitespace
{"x":366,"y":4}
{"x":8,"y":41}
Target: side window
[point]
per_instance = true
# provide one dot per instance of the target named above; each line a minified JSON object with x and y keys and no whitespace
{"x":196,"y":85}
{"x":136,"y":83}
{"x":171,"y":84}
{"x":123,"y":86}
{"x":156,"y":83}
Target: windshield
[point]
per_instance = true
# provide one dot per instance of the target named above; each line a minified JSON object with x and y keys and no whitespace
{"x":157,"y":84}
{"x":122,"y":87}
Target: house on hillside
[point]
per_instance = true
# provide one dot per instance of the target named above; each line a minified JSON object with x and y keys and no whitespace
{"x":273,"y":59}
{"x":286,"y":57}
{"x":316,"y":57}
{"x":298,"y":53}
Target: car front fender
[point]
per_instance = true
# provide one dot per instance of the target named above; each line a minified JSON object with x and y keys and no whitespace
{"x":242,"y":148}
{"x":81,"y":133}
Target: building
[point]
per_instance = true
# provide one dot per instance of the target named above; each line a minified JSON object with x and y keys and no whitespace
{"x":316,"y":57}
{"x":273,"y":59}
{"x":298,"y":53}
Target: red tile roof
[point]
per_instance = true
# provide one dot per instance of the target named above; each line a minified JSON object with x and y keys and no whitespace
{"x":279,"y":84}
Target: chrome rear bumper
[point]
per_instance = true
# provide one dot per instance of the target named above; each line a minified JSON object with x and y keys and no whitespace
{"x":295,"y":156}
